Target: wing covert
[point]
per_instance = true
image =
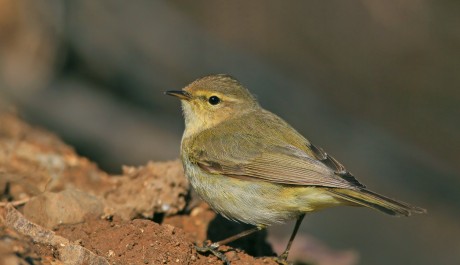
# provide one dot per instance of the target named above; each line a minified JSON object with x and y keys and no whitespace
{"x":272,"y":162}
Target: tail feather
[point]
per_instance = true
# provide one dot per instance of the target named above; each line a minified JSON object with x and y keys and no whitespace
{"x":367,"y":198}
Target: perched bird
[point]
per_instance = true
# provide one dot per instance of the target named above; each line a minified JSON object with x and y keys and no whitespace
{"x":251,"y":166}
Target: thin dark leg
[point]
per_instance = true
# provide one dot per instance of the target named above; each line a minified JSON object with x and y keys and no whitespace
{"x":237,"y":236}
{"x":285,"y":254}
{"x":213,"y":247}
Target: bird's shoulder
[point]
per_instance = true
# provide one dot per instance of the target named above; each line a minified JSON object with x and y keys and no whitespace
{"x":257,"y":129}
{"x":255,"y":135}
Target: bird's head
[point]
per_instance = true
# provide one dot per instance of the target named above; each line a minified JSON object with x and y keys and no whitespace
{"x":213,"y":99}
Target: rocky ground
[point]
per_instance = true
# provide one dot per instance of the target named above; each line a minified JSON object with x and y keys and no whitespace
{"x":60,"y":208}
{"x":57,"y":207}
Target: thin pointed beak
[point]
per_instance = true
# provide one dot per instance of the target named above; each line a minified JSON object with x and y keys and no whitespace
{"x":179,"y":93}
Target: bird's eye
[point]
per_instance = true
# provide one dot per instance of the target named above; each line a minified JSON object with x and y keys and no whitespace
{"x":213,"y":100}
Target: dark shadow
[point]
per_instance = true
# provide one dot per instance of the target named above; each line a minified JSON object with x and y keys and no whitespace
{"x":254,"y":244}
{"x":158,"y":218}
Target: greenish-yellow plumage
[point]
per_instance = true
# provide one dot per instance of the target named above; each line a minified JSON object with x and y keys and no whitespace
{"x":253,"y":167}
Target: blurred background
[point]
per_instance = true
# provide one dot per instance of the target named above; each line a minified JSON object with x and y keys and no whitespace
{"x":375,"y":83}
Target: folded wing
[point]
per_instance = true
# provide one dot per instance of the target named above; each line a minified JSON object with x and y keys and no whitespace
{"x":276,"y":163}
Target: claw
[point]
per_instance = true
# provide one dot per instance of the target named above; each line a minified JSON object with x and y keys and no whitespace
{"x":213,"y":249}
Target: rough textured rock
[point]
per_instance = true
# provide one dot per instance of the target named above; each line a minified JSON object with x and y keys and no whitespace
{"x":69,"y":206}
{"x":69,"y":253}
{"x":156,"y":188}
{"x":33,"y":161}
{"x":75,"y":213}
{"x":68,"y":193}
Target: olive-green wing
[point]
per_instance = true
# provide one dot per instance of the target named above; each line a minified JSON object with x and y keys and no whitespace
{"x":247,"y":157}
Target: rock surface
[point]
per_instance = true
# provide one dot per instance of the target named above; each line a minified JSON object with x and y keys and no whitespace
{"x":59,"y":208}
{"x":69,"y":206}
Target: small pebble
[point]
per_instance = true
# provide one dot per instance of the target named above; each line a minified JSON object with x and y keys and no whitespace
{"x":130,"y":246}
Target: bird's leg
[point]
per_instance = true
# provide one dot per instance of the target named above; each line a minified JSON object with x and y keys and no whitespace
{"x":283,"y":257}
{"x":214,"y":246}
{"x":237,"y":236}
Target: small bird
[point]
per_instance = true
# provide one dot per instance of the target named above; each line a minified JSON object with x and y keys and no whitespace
{"x":251,"y":166}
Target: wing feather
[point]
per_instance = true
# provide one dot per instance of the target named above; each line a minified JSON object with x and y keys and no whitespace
{"x":282,"y":164}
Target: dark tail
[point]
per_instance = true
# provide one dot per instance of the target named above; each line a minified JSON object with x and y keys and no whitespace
{"x":376,"y":201}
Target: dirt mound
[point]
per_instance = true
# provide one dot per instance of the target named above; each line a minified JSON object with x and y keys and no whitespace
{"x":59,"y":208}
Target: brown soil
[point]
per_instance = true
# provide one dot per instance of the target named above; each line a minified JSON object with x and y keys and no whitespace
{"x":59,"y":208}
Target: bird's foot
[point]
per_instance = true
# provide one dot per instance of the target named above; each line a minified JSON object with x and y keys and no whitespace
{"x":282,"y":259}
{"x":213,"y":249}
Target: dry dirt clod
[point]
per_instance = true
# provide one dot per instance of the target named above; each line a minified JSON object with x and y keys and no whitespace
{"x":66,"y":193}
{"x":69,"y":253}
{"x":156,"y":188}
{"x":69,"y":206}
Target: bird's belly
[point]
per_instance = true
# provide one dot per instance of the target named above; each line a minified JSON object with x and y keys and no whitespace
{"x":256,"y":202}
